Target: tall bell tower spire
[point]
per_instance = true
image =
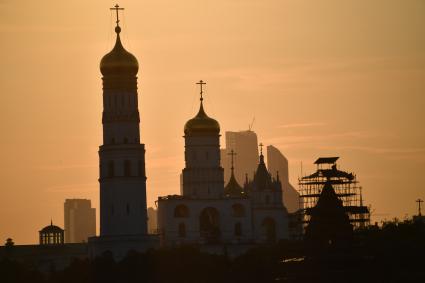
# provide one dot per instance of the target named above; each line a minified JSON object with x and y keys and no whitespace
{"x":121,"y":156}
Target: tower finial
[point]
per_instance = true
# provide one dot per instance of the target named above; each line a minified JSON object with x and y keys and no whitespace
{"x":419,"y":201}
{"x":261,"y":148}
{"x":117,"y":8}
{"x":232,"y":154}
{"x":201,"y":83}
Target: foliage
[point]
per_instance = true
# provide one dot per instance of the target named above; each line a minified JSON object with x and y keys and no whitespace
{"x":393,"y":252}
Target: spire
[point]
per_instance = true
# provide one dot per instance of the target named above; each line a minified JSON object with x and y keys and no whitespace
{"x":201,"y":108}
{"x":419,"y":201}
{"x":201,"y":83}
{"x":261,"y":153}
{"x":232,"y":154}
{"x":117,"y":28}
{"x":117,"y":8}
{"x":51,"y":222}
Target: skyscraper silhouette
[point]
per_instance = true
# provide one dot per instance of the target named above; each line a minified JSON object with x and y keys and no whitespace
{"x":79,"y":219}
{"x":277,"y":162}
{"x":245,"y":144}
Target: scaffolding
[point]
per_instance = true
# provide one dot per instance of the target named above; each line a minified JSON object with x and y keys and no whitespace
{"x":345,"y":185}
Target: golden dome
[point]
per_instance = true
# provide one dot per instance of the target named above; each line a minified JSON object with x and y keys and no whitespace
{"x":119,"y":61}
{"x":201,"y":123}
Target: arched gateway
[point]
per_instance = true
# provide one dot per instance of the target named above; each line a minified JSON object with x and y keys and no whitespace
{"x":209,"y":224}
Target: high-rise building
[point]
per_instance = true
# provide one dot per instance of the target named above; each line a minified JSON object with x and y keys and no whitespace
{"x":152,"y":220}
{"x":79,"y":219}
{"x":277,"y":162}
{"x":245,"y":145}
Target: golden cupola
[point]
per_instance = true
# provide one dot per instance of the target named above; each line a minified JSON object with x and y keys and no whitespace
{"x":201,"y":124}
{"x":119,"y":62}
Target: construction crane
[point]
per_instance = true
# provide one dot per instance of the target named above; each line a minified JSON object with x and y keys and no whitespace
{"x":251,"y":124}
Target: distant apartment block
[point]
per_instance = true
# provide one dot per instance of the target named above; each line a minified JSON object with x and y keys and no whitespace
{"x":80,"y":220}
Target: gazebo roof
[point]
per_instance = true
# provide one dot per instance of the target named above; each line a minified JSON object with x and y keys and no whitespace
{"x":51,"y":229}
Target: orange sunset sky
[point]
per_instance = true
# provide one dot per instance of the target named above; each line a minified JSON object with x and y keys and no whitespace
{"x":321,"y":77}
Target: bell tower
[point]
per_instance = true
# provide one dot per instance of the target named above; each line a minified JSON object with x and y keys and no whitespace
{"x":203,"y":177}
{"x":122,"y":156}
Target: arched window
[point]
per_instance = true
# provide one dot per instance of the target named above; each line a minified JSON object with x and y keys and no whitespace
{"x":238,"y":210}
{"x":267,"y":199}
{"x":125,"y":140}
{"x":209,"y":225}
{"x":112,"y":209}
{"x":127,"y":208}
{"x":127,"y":168}
{"x":181,"y":211}
{"x":113,"y":141}
{"x":207,"y":156}
{"x":269,"y":229}
{"x":182,"y":230}
{"x":238,"y":229}
{"x":111,"y":169}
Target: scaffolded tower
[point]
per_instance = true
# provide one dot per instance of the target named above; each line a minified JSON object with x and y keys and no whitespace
{"x":345,"y":185}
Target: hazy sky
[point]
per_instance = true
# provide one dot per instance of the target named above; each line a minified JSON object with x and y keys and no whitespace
{"x":322,"y":78}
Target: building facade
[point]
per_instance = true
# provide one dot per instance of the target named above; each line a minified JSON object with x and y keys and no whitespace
{"x":208,"y":212}
{"x":80,"y":220}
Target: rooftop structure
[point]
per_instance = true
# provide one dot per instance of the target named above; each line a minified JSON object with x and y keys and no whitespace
{"x":346,"y":188}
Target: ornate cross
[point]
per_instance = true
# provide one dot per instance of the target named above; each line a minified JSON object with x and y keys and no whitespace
{"x":117,"y":8}
{"x":201,"y":83}
{"x":261,"y":148}
{"x":232,"y":154}
{"x":419,"y":205}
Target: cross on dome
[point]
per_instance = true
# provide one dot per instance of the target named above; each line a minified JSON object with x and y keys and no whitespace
{"x":232,"y":153}
{"x":201,"y":83}
{"x":261,"y":148}
{"x":117,"y":8}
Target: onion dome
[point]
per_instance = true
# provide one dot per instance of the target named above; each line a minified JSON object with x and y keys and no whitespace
{"x":119,"y":61}
{"x":201,"y":124}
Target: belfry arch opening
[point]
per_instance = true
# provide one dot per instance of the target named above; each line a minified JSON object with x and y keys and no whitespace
{"x":209,"y":223}
{"x":269,"y":230}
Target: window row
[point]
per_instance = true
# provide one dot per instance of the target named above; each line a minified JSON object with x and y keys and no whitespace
{"x":120,"y":101}
{"x":128,"y":209}
{"x":125,"y":140}
{"x":236,"y":232}
{"x":128,"y":170}
{"x":181,"y":211}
